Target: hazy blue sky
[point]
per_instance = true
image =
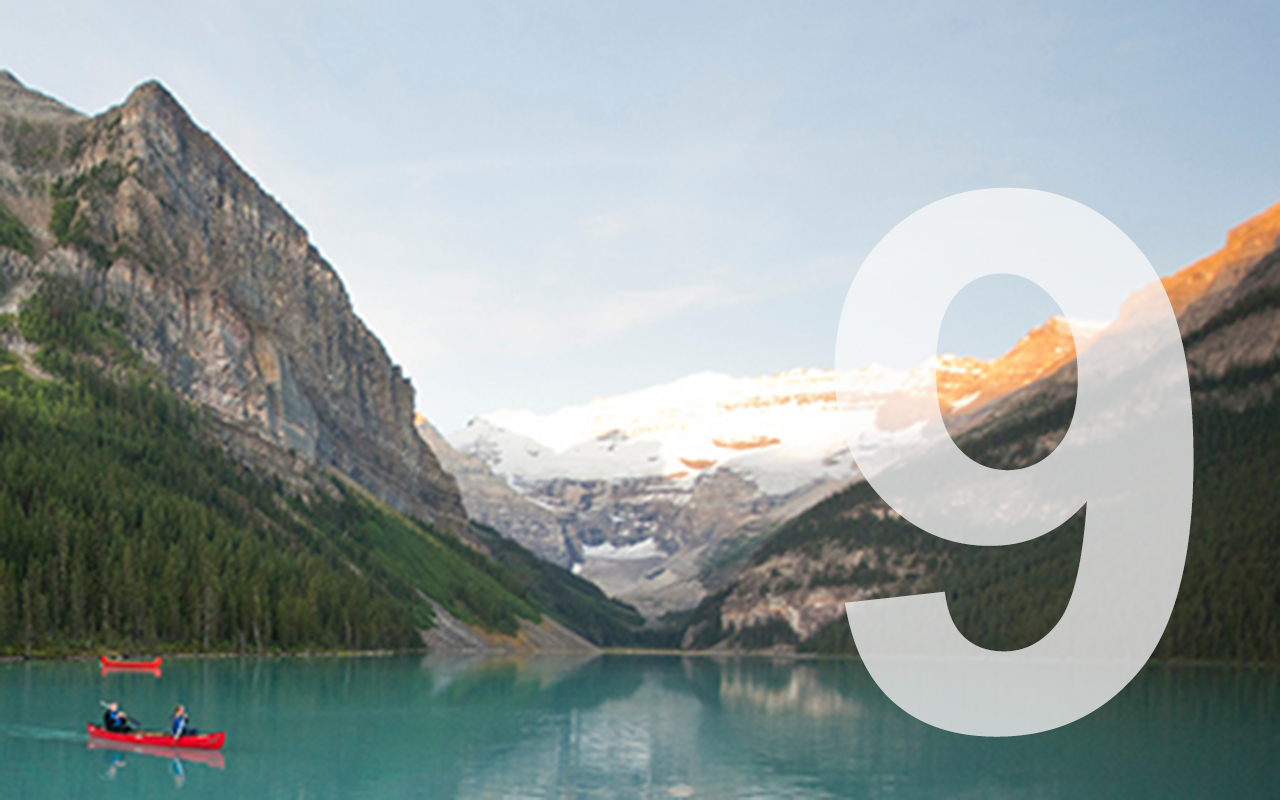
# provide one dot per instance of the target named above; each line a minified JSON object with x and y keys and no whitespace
{"x":537,"y":203}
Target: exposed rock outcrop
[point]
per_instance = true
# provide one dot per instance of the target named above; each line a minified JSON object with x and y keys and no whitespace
{"x":217,"y":285}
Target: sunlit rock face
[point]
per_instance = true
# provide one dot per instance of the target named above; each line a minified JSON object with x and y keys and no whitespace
{"x":1247,"y":244}
{"x":218,"y":286}
{"x":1231,"y":322}
{"x":966,"y":384}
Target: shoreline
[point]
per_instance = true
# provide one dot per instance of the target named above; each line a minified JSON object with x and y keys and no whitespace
{"x":718,"y":655}
{"x":92,"y":658}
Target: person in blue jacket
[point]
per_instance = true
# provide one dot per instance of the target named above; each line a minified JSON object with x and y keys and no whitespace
{"x":115,"y":720}
{"x":180,"y":724}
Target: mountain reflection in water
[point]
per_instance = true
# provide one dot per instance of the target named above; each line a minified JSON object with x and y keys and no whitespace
{"x":783,"y":687}
{"x":624,"y":727}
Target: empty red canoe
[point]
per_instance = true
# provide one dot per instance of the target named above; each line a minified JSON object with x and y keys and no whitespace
{"x":204,"y":741}
{"x":112,"y":663}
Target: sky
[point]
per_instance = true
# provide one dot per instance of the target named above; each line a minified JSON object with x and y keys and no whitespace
{"x":533,"y":204}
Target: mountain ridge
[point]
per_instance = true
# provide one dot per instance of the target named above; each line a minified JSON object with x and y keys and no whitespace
{"x":791,"y":591}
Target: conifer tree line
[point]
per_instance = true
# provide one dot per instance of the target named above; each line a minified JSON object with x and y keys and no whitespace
{"x":1006,"y":598}
{"x":121,"y":528}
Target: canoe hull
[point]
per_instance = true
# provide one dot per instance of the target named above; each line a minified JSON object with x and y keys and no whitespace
{"x":204,"y":741}
{"x":111,"y":663}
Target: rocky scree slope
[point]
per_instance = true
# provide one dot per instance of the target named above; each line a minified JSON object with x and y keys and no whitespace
{"x":791,"y":592}
{"x":216,"y":285}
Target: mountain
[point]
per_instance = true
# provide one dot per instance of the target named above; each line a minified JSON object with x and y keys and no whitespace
{"x":218,"y":286}
{"x":648,"y":494}
{"x":201,"y":446}
{"x":634,"y":493}
{"x":791,"y":591}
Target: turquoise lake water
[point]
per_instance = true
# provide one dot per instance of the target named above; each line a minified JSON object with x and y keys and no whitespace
{"x":618,"y":726}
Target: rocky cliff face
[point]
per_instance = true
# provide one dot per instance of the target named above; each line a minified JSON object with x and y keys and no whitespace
{"x":218,"y":287}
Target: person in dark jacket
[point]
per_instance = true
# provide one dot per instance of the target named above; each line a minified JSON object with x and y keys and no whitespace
{"x":115,"y":720}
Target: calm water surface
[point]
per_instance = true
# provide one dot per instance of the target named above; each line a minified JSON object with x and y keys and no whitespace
{"x":618,"y":727}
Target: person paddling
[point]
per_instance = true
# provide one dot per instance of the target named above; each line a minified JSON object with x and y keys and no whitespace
{"x":180,"y":724}
{"x":115,"y":720}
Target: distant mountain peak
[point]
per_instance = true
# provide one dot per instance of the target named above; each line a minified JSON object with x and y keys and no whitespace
{"x":153,"y":98}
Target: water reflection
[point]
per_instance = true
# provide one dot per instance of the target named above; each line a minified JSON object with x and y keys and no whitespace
{"x":154,"y":672}
{"x":115,"y":763}
{"x":757,"y":728}
{"x":470,"y":679}
{"x":783,"y":687}
{"x":209,"y":758}
{"x":623,"y":727}
{"x":635,"y":727}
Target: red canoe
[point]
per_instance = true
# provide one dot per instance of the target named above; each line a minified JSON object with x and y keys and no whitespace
{"x":204,"y":741}
{"x":112,"y":663}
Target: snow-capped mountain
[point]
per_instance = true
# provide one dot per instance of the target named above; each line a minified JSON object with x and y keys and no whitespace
{"x":775,"y":430}
{"x":644,"y":492}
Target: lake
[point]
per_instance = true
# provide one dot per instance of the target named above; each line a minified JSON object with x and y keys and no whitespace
{"x":618,"y":726}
